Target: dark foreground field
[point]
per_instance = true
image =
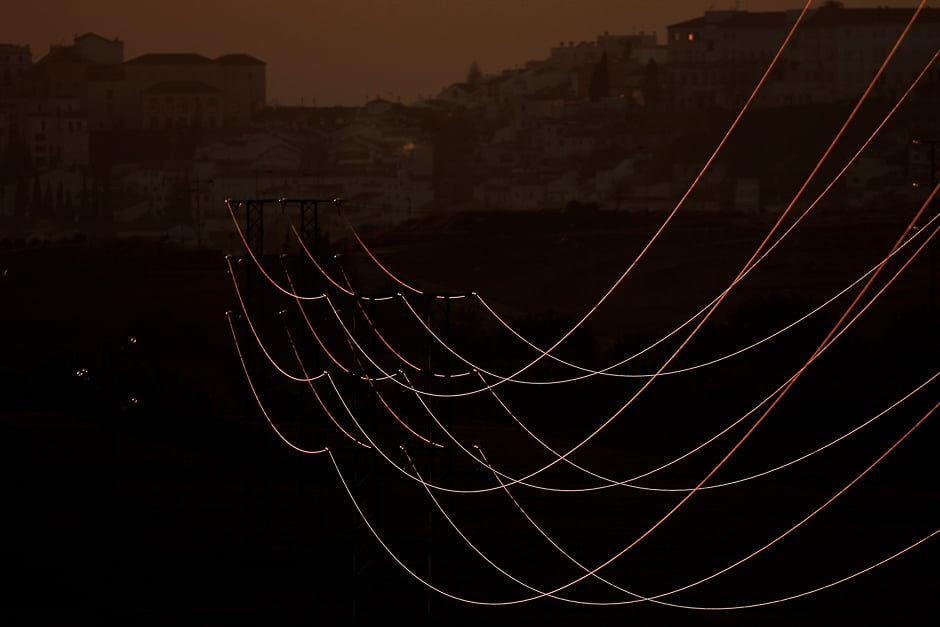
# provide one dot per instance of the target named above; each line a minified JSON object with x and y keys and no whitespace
{"x":142,"y":485}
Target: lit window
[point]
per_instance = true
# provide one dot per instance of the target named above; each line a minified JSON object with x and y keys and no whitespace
{"x":690,"y":36}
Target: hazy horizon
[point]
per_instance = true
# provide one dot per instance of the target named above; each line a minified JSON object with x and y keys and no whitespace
{"x":380,"y":48}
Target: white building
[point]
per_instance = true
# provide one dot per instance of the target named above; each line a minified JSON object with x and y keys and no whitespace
{"x":717,"y":59}
{"x":57,"y":133}
{"x":238,"y":81}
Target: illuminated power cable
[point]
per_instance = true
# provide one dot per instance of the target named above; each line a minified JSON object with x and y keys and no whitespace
{"x":729,"y":427}
{"x":792,"y":203}
{"x":309,"y":380}
{"x":545,"y":352}
{"x":391,"y":553}
{"x":378,"y":449}
{"x":316,"y":394}
{"x":395,"y":414}
{"x":372,"y":383}
{"x":258,"y":264}
{"x":608,"y":482}
{"x":371,"y":380}
{"x":631,"y":375}
{"x":489,"y":386}
{"x":592,"y":572}
{"x":822,"y":346}
{"x":834,"y":333}
{"x":398,"y":417}
{"x":747,"y":269}
{"x":774,"y":396}
{"x":254,"y":392}
{"x":305,"y":378}
{"x":376,"y":261}
{"x":758,"y":604}
{"x":254,"y":332}
{"x":832,"y":584}
{"x":674,"y":211}
{"x":752,"y":262}
{"x":488,"y":560}
{"x":837,"y":325}
{"x":372,"y":326}
{"x":797,"y":525}
{"x":310,"y":255}
{"x":658,"y":598}
{"x":317,"y":337}
{"x":500,"y":380}
{"x":714,"y":470}
{"x":310,"y":325}
{"x":358,"y":347}
{"x":313,"y":332}
{"x":818,"y":509}
{"x":442,"y":592}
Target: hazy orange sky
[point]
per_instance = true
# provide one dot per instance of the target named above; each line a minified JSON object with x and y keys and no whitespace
{"x":343,"y":51}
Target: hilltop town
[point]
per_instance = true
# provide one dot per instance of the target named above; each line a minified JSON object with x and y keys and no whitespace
{"x":93,"y":143}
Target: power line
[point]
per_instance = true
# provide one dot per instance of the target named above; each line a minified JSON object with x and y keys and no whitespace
{"x":399,"y":377}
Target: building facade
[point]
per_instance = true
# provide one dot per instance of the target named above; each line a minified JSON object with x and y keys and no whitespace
{"x":717,"y":59}
{"x":14,"y":62}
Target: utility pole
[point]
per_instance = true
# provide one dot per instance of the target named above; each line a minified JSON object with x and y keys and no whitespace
{"x":249,"y":215}
{"x":260,"y":305}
